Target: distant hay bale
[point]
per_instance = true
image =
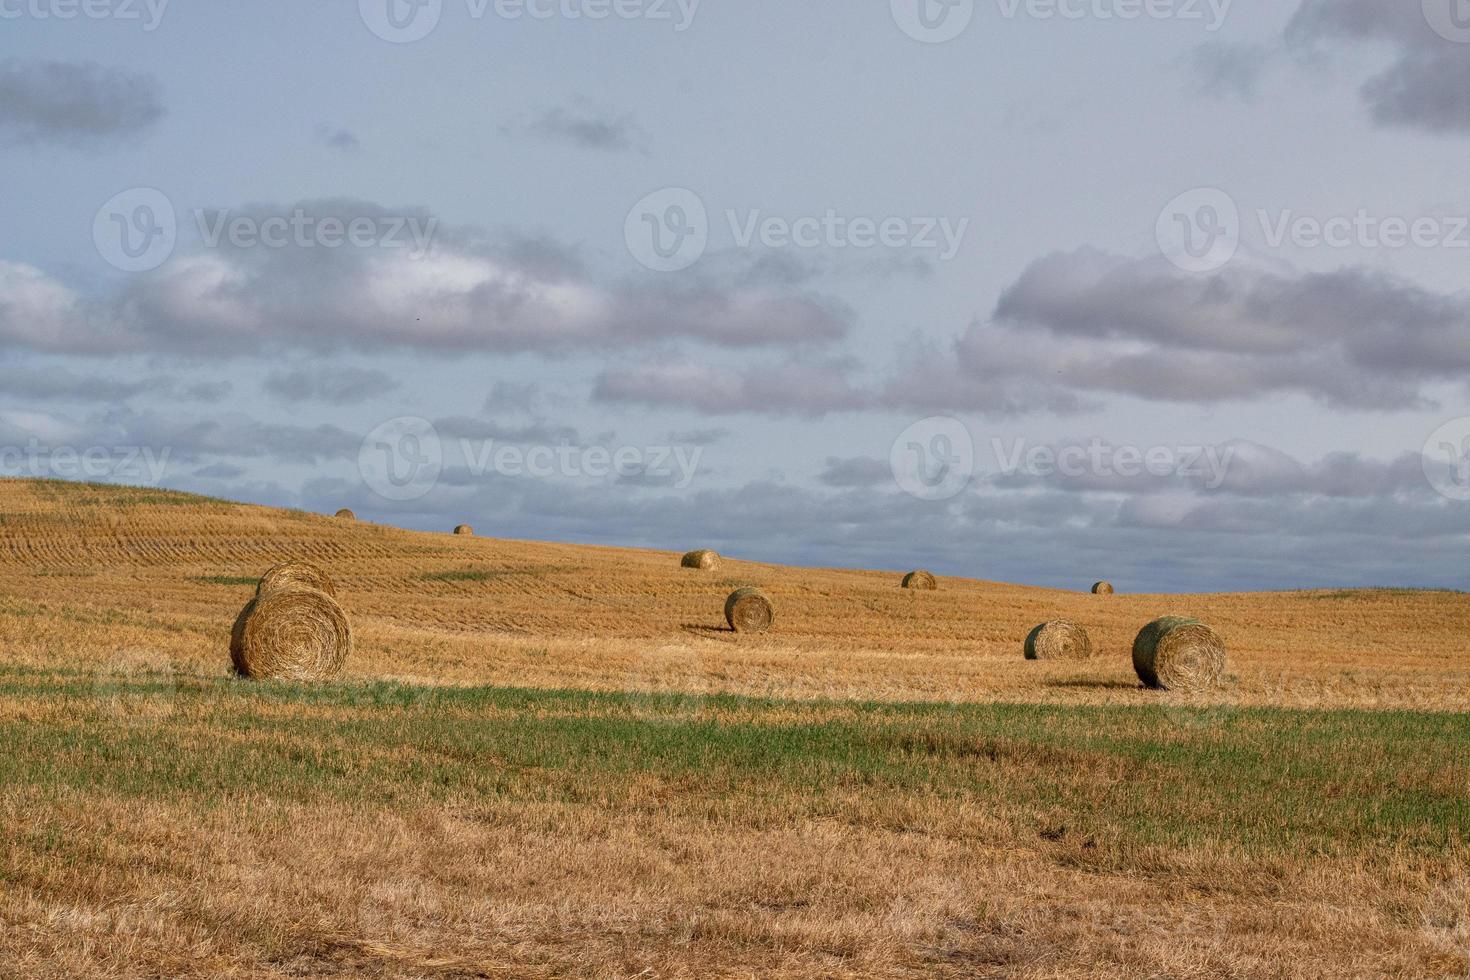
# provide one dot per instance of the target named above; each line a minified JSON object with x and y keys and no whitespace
{"x":704,"y":560}
{"x":749,"y":611}
{"x":1103,"y":588}
{"x":346,"y":514}
{"x":920,"y":580}
{"x":1059,"y":639}
{"x":465,"y":531}
{"x":1178,"y":654}
{"x":296,"y":575}
{"x":291,"y":634}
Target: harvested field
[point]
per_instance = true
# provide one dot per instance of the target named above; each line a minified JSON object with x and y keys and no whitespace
{"x":556,"y":760}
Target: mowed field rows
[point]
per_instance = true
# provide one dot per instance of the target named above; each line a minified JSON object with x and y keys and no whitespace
{"x":554,"y":760}
{"x":90,"y":573}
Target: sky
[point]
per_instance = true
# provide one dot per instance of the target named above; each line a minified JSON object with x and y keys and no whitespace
{"x":1169,"y":292}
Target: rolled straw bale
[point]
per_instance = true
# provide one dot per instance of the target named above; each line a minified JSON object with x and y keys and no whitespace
{"x":296,"y":575}
{"x":1059,"y":639}
{"x":921,"y":580}
{"x":1178,"y":654}
{"x":291,"y":634}
{"x":703,"y":559}
{"x":749,"y":611}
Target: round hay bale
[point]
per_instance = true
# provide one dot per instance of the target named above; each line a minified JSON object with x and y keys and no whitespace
{"x":1178,"y":654}
{"x":704,"y":560}
{"x":749,"y":611}
{"x":296,"y":575}
{"x":346,"y":514}
{"x":1059,"y":639}
{"x":465,"y":531}
{"x":921,"y":580}
{"x":1103,"y":588}
{"x":291,"y":634}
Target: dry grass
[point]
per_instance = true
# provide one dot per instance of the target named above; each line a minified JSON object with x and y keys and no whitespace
{"x":1049,"y":819}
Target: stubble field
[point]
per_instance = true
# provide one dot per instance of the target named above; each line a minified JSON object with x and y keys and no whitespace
{"x":554,"y":760}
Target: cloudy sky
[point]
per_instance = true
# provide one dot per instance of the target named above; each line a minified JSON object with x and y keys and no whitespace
{"x":1170,"y":292}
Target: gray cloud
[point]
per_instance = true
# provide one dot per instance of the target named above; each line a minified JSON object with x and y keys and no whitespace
{"x":857,"y":471}
{"x":583,"y":124}
{"x":513,"y":396}
{"x":774,"y":389}
{"x":181,"y":441}
{"x":1229,"y":69}
{"x":75,"y":104}
{"x":1184,"y":540}
{"x":1091,"y":321}
{"x":1078,"y":326}
{"x":1422,"y":87}
{"x":338,"y":138}
{"x":463,"y":294}
{"x":699,"y":437}
{"x":539,"y":432}
{"x":207,"y":391}
{"x":46,"y":383}
{"x":334,"y":385}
